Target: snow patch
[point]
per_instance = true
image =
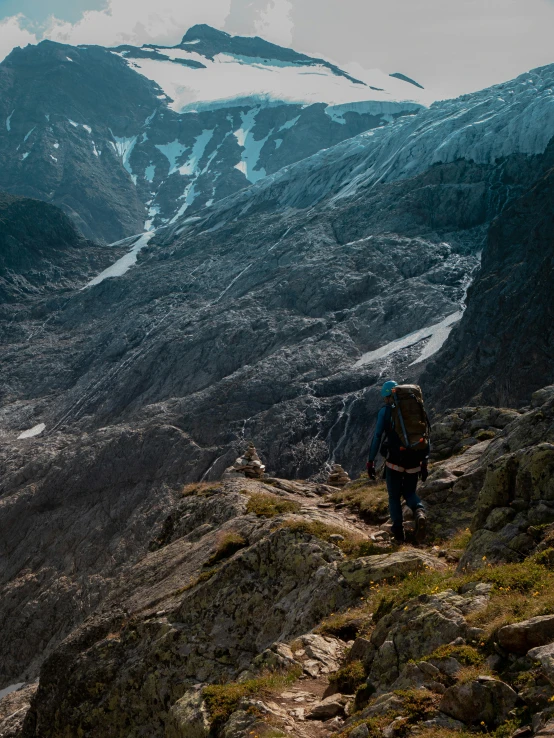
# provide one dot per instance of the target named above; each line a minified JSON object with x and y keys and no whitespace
{"x":27,"y":136}
{"x":172,"y":151}
{"x":53,"y":157}
{"x":149,"y":172}
{"x":75,"y":125}
{"x":56,"y":145}
{"x":191,"y":165}
{"x":24,"y":156}
{"x":278,"y":142}
{"x":438,"y":333}
{"x":124,"y":148}
{"x":122,"y":265}
{"x":69,"y":59}
{"x":152,"y":212}
{"x":289,"y":123}
{"x":9,"y":120}
{"x":87,"y":128}
{"x":36,"y":430}
{"x":251,"y":148}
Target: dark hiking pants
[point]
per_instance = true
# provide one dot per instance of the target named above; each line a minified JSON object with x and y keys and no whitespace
{"x":401,"y":485}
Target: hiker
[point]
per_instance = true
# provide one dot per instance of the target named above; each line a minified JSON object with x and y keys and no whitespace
{"x":406,"y":448}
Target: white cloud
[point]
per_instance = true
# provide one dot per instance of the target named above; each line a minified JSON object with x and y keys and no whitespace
{"x":13,"y":34}
{"x":139,"y":22}
{"x":275,"y":23}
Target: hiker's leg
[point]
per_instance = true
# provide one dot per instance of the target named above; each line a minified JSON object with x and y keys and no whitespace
{"x":416,"y":505}
{"x":409,"y":485}
{"x":394,"y":487}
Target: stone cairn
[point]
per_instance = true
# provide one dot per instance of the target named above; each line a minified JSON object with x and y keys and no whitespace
{"x":338,"y":477}
{"x":249,"y":464}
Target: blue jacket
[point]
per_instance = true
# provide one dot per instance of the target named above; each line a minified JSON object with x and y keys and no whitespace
{"x":383,"y":424}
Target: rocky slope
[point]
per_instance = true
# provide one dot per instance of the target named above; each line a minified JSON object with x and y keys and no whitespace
{"x":127,"y":139}
{"x":274,"y":314}
{"x":231,"y":579}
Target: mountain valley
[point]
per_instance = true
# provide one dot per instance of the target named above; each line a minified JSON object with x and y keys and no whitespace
{"x":229,"y":289}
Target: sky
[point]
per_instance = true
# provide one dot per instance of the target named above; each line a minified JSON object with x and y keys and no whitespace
{"x":449,"y":46}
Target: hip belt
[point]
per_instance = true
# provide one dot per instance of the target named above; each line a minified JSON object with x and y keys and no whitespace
{"x":394,"y":467}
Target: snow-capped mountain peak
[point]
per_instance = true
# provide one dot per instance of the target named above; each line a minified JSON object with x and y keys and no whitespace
{"x":211,"y":69}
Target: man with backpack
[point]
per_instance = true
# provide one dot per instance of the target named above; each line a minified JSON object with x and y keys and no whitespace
{"x":403,"y":421}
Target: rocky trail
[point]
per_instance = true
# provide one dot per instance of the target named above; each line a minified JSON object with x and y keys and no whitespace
{"x":261,"y":606}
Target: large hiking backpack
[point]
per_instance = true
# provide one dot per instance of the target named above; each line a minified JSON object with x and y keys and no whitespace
{"x":409,"y":419}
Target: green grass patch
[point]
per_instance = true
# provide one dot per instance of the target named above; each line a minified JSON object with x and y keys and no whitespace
{"x":346,"y":625}
{"x":228,"y":544}
{"x":366,"y":498}
{"x":349,"y":678}
{"x":466,"y":655}
{"x":223,"y":699}
{"x":266,"y":505}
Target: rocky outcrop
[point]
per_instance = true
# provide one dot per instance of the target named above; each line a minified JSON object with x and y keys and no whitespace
{"x":417,"y":628}
{"x":482,"y":701}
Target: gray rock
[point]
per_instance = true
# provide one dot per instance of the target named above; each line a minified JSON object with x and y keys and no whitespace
{"x":360,"y":573}
{"x":362,"y":650}
{"x":482,"y":700}
{"x":327,"y":708}
{"x":360,"y":731}
{"x":528,"y":634}
{"x":444,"y":721}
{"x":545,"y":656}
{"x":188,"y":717}
{"x":417,"y":629}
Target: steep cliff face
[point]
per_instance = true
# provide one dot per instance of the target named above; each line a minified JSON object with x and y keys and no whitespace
{"x":503,"y":348}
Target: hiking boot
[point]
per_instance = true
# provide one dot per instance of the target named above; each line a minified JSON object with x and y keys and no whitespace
{"x":420,"y":525}
{"x":398,"y":535}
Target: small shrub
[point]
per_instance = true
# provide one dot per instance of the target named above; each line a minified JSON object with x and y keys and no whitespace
{"x":353,"y":545}
{"x":223,"y":699}
{"x":418,"y":704}
{"x":347,"y":679}
{"x":346,"y":625}
{"x":466,"y":655}
{"x":229,"y":544}
{"x":485,"y":435}
{"x":199,"y":488}
{"x":266,"y":505}
{"x":460,"y":540}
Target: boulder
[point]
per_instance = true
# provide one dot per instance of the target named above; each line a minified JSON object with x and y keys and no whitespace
{"x":545,"y":656}
{"x":417,"y":628}
{"x":361,"y":573}
{"x":188,"y":718}
{"x":328,"y":708}
{"x":547,"y":731}
{"x":484,"y":700}
{"x":521,"y":637}
{"x":360,"y":731}
{"x":362,"y":650}
{"x":388,"y":702}
{"x":324,"y":651}
{"x":444,"y":721}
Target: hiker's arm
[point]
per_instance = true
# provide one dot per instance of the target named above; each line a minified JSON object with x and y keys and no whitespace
{"x":379,"y":430}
